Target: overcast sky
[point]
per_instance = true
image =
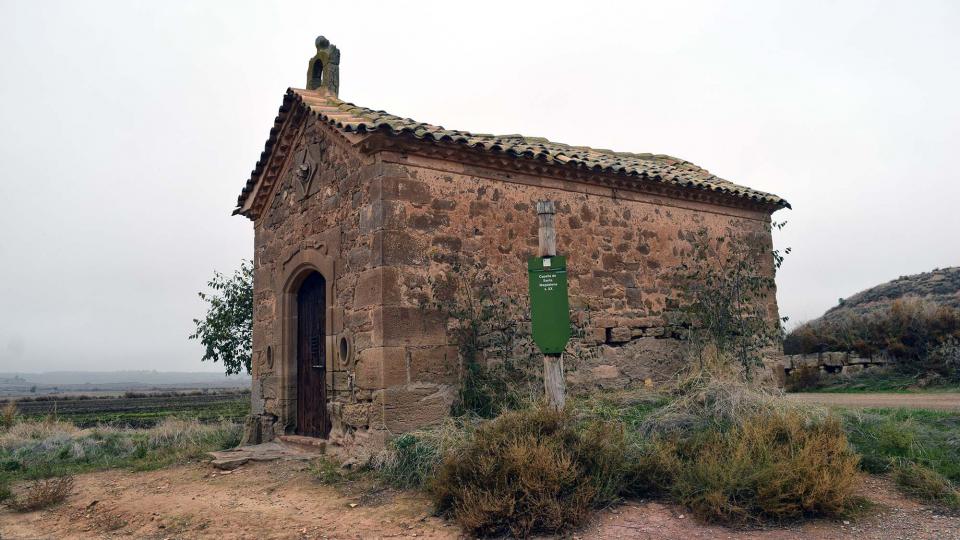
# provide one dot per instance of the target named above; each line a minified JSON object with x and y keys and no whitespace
{"x":127,"y":130}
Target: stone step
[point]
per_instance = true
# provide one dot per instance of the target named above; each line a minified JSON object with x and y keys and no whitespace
{"x":313,"y":443}
{"x":270,"y":451}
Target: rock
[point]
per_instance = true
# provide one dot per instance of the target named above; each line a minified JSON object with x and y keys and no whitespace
{"x":229,"y":464}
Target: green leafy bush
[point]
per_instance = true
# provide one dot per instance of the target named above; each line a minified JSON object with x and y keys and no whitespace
{"x":531,"y":471}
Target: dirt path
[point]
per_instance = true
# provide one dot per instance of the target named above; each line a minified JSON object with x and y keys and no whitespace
{"x":283,"y":500}
{"x":945,"y":401}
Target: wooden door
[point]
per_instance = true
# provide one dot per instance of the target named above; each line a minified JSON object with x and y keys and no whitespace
{"x":312,"y":417}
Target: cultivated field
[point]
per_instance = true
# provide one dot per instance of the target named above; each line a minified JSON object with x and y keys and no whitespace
{"x":139,"y":409}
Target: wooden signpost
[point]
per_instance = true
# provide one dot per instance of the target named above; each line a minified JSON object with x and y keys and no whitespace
{"x":549,"y":306}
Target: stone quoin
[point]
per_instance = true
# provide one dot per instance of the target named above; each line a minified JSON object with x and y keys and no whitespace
{"x":358,"y":214}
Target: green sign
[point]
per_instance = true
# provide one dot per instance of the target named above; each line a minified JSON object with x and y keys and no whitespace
{"x":549,"y":307}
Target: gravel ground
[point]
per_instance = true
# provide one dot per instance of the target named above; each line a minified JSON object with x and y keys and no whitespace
{"x":944,"y":401}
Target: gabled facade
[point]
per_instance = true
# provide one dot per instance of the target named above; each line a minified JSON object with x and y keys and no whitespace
{"x":363,"y":220}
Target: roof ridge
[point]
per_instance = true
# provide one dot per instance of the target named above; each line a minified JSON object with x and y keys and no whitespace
{"x":351,"y":118}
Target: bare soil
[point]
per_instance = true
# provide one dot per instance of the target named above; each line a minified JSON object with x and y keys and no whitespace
{"x":283,"y":500}
{"x":944,"y":401}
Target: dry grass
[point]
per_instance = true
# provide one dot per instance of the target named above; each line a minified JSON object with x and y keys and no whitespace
{"x":41,"y":493}
{"x":178,"y":433}
{"x":925,"y":484}
{"x":774,"y":466}
{"x":8,"y":415}
{"x":531,"y":471}
{"x":26,"y":433}
{"x":737,"y":452}
{"x":715,"y":395}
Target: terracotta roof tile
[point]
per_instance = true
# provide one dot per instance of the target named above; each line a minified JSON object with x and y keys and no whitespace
{"x":350,"y":118}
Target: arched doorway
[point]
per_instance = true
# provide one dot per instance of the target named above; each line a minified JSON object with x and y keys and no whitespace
{"x":312,"y":417}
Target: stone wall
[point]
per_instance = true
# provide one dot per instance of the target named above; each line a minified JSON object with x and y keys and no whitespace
{"x":828,"y":363}
{"x":316,"y":215}
{"x":622,"y":251}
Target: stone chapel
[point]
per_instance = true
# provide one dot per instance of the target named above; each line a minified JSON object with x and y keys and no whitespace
{"x":358,"y":214}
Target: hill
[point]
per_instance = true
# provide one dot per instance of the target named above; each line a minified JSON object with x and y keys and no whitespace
{"x":941,"y":286}
{"x":914,"y":320}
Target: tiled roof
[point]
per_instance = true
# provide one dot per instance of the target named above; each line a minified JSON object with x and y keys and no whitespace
{"x":350,"y":118}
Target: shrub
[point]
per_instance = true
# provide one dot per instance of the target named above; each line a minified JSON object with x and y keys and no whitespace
{"x":5,"y":492}
{"x":726,"y":297}
{"x":412,"y":459}
{"x":531,"y":471}
{"x":921,"y":336}
{"x":772,"y":466}
{"x":42,"y":493}
{"x":925,"y":484}
{"x":803,"y":378}
{"x":8,"y":415}
{"x":711,"y":397}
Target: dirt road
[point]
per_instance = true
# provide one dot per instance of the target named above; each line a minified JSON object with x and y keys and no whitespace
{"x":283,"y":500}
{"x":945,"y":401}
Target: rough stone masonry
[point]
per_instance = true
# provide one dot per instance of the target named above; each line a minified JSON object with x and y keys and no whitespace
{"x":393,"y":214}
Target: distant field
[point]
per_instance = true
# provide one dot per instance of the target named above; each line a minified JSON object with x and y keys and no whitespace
{"x":140,"y":410}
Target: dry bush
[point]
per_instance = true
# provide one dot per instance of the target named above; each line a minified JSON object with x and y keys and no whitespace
{"x":41,"y":493}
{"x":925,"y":484}
{"x":803,"y":378}
{"x":8,"y":415}
{"x":531,"y":471}
{"x":736,"y":452}
{"x":714,"y":395}
{"x":773,"y":466}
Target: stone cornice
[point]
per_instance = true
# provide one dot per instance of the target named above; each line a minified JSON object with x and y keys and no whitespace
{"x":621,"y":182}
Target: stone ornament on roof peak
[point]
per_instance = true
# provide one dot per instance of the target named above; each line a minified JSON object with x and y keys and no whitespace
{"x":323,"y":71}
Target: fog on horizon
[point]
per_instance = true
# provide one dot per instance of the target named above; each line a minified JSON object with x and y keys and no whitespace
{"x":129,"y":128}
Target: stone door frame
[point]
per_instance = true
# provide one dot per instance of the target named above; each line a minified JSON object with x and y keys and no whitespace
{"x":295,"y":270}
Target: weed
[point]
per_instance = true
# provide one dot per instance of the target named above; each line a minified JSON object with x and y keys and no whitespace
{"x":42,"y":493}
{"x":804,"y":378}
{"x":774,"y":466}
{"x":412,"y":459}
{"x":329,"y":472}
{"x":8,"y":415}
{"x":531,"y":471}
{"x":925,"y":484}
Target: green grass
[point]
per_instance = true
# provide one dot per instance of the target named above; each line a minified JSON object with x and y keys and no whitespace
{"x":42,"y":449}
{"x":230,"y":410}
{"x":877,"y":382}
{"x":142,"y":412}
{"x":886,"y":437}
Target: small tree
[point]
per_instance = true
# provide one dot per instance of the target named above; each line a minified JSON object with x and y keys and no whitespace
{"x":726,"y":298}
{"x":485,"y":326}
{"x":226,"y":332}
